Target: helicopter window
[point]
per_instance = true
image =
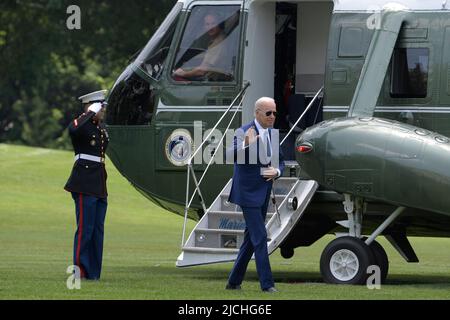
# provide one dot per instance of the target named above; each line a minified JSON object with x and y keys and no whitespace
{"x":132,"y":101}
{"x":409,"y":77}
{"x":210,"y":45}
{"x":152,"y":58}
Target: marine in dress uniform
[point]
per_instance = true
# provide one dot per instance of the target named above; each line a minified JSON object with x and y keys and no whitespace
{"x":87,"y":183}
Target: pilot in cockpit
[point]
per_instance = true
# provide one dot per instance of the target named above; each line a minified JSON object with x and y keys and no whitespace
{"x":213,"y":58}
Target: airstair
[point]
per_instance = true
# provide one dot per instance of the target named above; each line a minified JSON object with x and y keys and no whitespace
{"x":219,"y":234}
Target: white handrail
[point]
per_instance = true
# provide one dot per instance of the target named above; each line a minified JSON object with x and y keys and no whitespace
{"x":302,"y":115}
{"x":246,"y":85}
{"x":190,"y":169}
{"x":216,"y":150}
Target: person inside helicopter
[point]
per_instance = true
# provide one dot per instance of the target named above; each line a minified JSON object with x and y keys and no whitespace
{"x":216,"y":63}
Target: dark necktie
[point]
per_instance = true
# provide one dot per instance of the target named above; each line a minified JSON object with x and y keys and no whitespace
{"x":269,"y":149}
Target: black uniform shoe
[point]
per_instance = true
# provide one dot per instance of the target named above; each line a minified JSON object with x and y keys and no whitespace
{"x":270,"y":290}
{"x":232,"y":287}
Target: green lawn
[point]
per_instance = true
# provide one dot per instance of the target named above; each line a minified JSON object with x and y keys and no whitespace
{"x":142,"y":242}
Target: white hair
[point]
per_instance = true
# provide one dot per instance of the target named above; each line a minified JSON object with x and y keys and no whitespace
{"x":262,"y":101}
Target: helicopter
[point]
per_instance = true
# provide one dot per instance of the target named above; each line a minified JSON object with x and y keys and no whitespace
{"x":363,"y":100}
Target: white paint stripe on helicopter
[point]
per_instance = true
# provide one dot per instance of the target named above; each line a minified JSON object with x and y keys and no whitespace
{"x":346,"y":5}
{"x":388,"y":109}
{"x":189,"y":109}
{"x":364,"y":5}
{"x":163,"y":108}
{"x":415,"y":11}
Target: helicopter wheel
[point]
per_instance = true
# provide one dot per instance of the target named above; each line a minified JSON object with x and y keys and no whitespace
{"x":345,"y":261}
{"x":381,"y":259}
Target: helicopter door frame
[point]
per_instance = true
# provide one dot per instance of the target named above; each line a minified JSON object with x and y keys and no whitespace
{"x":259,"y":55}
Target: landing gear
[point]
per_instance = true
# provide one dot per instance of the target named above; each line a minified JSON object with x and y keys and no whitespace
{"x":345,"y":261}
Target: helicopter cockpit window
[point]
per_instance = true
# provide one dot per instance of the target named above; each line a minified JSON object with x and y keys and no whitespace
{"x":153,"y":57}
{"x":210,"y":45}
{"x":409,"y":77}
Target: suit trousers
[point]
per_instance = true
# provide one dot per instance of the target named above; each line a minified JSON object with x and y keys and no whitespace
{"x":88,"y":243}
{"x":255,"y":241}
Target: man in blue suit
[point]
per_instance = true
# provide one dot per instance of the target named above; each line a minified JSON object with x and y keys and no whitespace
{"x":257,"y":162}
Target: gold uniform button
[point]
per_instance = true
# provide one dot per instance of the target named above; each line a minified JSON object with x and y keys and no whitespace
{"x":87,"y":167}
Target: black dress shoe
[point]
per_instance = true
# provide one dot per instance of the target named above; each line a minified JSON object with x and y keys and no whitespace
{"x":270,"y":290}
{"x":233,"y":287}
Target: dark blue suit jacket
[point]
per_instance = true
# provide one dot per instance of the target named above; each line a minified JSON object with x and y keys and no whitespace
{"x":249,"y":188}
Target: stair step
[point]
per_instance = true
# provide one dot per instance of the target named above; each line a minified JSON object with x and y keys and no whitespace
{"x":222,"y":231}
{"x":218,"y":238}
{"x":209,"y":250}
{"x":233,"y":213}
{"x":226,"y":195}
{"x":223,"y":212}
{"x":291,"y":163}
{"x":224,"y":205}
{"x":229,"y":220}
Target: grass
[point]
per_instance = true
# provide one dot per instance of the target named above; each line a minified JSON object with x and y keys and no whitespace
{"x":142,"y":242}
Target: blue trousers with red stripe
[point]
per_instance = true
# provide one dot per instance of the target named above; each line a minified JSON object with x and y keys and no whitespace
{"x":88,"y":244}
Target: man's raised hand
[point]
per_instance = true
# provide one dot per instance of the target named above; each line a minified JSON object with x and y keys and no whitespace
{"x":250,"y":136}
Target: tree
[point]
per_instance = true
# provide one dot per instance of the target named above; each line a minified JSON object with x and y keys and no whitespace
{"x":46,"y":66}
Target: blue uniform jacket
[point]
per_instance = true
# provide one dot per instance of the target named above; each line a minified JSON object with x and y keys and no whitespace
{"x":249,"y":188}
{"x":88,"y":137}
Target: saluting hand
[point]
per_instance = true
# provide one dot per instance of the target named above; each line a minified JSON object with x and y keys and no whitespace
{"x":95,"y":107}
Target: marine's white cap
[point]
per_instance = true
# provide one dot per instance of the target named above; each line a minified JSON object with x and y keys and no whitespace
{"x":97,"y":96}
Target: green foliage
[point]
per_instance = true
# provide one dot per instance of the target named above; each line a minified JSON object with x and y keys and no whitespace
{"x":45,"y":66}
{"x":35,"y":117}
{"x":2,"y":38}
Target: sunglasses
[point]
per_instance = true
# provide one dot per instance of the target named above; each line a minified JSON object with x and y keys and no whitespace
{"x":269,"y":113}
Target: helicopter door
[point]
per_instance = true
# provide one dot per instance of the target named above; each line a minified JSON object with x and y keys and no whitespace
{"x":302,"y":34}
